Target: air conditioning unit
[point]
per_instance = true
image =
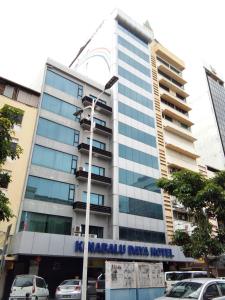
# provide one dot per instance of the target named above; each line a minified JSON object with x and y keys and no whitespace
{"x":93,"y":236}
{"x":77,"y":234}
{"x":77,"y":229}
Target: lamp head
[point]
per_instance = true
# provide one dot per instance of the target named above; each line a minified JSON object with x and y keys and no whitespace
{"x":111,"y":82}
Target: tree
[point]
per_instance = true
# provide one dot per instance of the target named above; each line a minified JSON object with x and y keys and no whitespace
{"x":9,"y":116}
{"x":204,"y":199}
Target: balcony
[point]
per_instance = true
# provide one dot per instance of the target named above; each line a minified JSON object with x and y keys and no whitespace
{"x":97,"y":152}
{"x":176,"y":115}
{"x":172,"y":86}
{"x":103,"y":180}
{"x":100,"y":129}
{"x":168,"y":71}
{"x":181,"y":150}
{"x":101,"y":107}
{"x":178,"y":130}
{"x":174,"y":100}
{"x":99,"y":209}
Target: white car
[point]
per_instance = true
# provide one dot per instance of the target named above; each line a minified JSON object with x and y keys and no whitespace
{"x":29,"y":287}
{"x":198,"y":288}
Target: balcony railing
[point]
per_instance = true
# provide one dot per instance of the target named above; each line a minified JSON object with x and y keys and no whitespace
{"x":96,"y":151}
{"x":85,"y":124}
{"x":83,"y":175}
{"x":99,"y":105}
{"x":81,"y":206}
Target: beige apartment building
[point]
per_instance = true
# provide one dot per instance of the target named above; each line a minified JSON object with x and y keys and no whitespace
{"x":27,"y":100}
{"x":174,"y":136}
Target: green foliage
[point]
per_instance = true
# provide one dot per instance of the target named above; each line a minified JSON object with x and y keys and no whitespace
{"x":9,"y":116}
{"x":203,"y":199}
{"x":5,"y":211}
{"x":4,"y":180}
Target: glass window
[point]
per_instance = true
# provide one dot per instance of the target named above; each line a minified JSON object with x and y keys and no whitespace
{"x":134,"y":79}
{"x":94,"y":199}
{"x":138,"y":156}
{"x":212,"y":292}
{"x":57,"y":132}
{"x":222,"y":287}
{"x":59,"y":107}
{"x":134,"y":36}
{"x":140,"y":208}
{"x":133,"y":63}
{"x":40,"y":283}
{"x":139,"y":235}
{"x":124,"y":90}
{"x":185,"y":290}
{"x":54,"y":159}
{"x":96,"y":170}
{"x":49,"y":190}
{"x":8,"y":91}
{"x":65,"y":85}
{"x":99,"y":121}
{"x":136,"y":114}
{"x":138,"y":180}
{"x":23,"y":281}
{"x":137,"y":134}
{"x":35,"y":222}
{"x":97,"y":144}
{"x":123,"y":42}
{"x":93,"y":230}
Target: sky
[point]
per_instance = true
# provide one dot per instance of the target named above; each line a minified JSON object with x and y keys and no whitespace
{"x":33,"y":30}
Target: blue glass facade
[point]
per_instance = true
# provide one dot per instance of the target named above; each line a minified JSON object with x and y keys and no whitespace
{"x":140,"y":235}
{"x":133,"y":36}
{"x":49,"y":190}
{"x":59,"y":107}
{"x":135,"y":114}
{"x":141,"y":208}
{"x":138,"y":180}
{"x":137,"y":134}
{"x":133,"y":95}
{"x":31,"y":221}
{"x":133,"y":63}
{"x":133,"y":43}
{"x":134,"y":79}
{"x":63,"y":84}
{"x":53,"y":159}
{"x":138,"y":156}
{"x":57,"y":132}
{"x":123,"y":42}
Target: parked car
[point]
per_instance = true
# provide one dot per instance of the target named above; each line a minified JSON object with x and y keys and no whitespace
{"x":100,"y":287}
{"x":71,"y":289}
{"x":29,"y":287}
{"x":199,"y":289}
{"x":172,"y":277}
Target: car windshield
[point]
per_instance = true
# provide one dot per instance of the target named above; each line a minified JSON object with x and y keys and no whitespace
{"x":70,"y":282}
{"x":23,"y":281}
{"x":190,"y":290}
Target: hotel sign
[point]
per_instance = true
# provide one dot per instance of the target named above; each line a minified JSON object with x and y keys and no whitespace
{"x":120,"y":249}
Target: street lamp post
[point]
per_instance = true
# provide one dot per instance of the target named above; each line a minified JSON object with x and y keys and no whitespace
{"x":108,"y":85}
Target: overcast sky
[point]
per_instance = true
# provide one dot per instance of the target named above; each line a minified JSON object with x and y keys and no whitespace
{"x":32,"y":30}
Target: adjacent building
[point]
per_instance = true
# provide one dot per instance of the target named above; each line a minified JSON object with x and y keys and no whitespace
{"x":174,"y":135}
{"x":25,"y":99}
{"x":210,"y":126}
